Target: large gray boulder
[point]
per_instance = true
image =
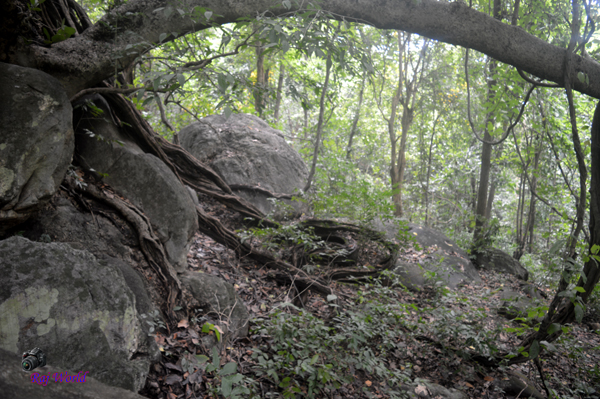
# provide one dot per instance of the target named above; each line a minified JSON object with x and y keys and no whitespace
{"x":449,"y":263}
{"x":60,"y":221}
{"x":14,"y":383}
{"x":36,"y":140}
{"x":245,"y":150}
{"x":500,"y":261}
{"x":145,"y":180}
{"x":219,"y":301}
{"x":76,"y":308}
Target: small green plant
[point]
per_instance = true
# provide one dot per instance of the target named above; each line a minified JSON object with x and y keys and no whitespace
{"x":34,"y":5}
{"x":63,"y":33}
{"x":224,"y":380}
{"x":209,"y":328}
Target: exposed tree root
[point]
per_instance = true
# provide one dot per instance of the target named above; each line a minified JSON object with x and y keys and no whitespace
{"x":187,"y":168}
{"x":261,"y":190}
{"x":151,"y":246}
{"x":204,"y":180}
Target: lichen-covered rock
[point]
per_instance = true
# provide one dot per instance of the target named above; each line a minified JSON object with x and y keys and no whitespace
{"x":36,"y":140}
{"x":77,"y":308}
{"x":245,"y":150}
{"x":143,"y":179}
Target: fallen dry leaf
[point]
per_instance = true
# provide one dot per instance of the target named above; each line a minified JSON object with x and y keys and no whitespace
{"x":183,"y":323}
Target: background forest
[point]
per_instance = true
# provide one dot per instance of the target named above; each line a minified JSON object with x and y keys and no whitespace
{"x":392,"y":124}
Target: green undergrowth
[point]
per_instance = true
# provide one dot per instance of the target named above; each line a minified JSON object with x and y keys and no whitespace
{"x":375,"y":339}
{"x":310,"y":357}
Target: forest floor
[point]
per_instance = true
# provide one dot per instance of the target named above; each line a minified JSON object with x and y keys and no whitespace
{"x":369,"y":342}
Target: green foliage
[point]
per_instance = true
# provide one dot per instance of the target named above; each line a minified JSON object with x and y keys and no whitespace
{"x":225,"y":380}
{"x":278,"y":238}
{"x":63,"y":33}
{"x":308,"y":357}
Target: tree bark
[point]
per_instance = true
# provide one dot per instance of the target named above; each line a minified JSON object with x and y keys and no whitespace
{"x":313,"y":167}
{"x":279,"y":91}
{"x":133,"y":29}
{"x":429,"y":162}
{"x":356,"y":116}
{"x":261,"y":82}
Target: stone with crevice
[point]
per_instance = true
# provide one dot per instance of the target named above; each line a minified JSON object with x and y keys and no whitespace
{"x":36,"y":145}
{"x":142,"y":178}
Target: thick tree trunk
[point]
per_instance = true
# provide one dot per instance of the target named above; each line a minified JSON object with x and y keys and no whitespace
{"x":95,"y":55}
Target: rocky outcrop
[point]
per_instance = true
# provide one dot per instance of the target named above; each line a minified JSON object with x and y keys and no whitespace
{"x":245,"y":150}
{"x":518,"y":384}
{"x":500,"y":261}
{"x":516,"y":304}
{"x":142,"y":178}
{"x":449,"y":263}
{"x":219,"y":301}
{"x":14,"y":383}
{"x":77,"y":308}
{"x":36,"y":144}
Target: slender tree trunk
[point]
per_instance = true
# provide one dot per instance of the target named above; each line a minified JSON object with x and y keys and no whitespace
{"x":279,"y":90}
{"x":407,"y":99}
{"x":490,"y":201}
{"x":261,"y":82}
{"x":406,"y":121}
{"x":519,"y":220}
{"x":313,"y":167}
{"x":356,"y":116}
{"x":305,"y":130}
{"x":428,"y":175}
{"x":486,"y":158}
{"x":531,"y":217}
{"x":394,"y":172}
{"x":482,"y":194}
{"x":473,"y":199}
